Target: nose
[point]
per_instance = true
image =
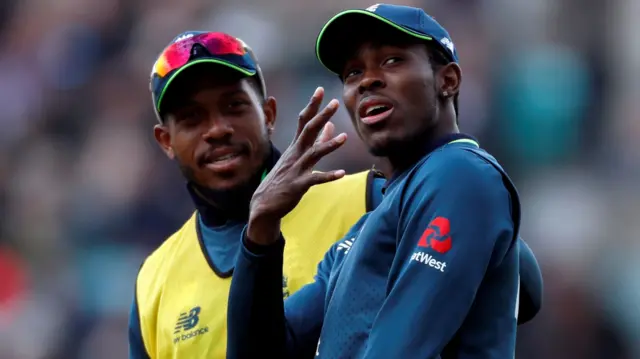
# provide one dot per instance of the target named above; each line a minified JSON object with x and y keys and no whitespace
{"x":219,"y":128}
{"x":371,"y":80}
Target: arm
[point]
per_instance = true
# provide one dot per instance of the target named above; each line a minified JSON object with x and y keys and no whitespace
{"x":257,"y":326}
{"x":437,"y":279}
{"x":260,"y":323}
{"x":530,"y":274}
{"x":136,"y":344}
{"x":530,"y":284}
{"x":255,"y":318}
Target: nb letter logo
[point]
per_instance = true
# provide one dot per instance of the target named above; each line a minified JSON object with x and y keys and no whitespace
{"x":188,"y":321}
{"x":187,"y":326}
{"x":373,"y":8}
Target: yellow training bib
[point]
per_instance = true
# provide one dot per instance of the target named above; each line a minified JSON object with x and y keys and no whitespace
{"x":182,"y":303}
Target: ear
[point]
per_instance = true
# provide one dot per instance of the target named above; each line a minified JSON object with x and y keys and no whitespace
{"x":449,"y":80}
{"x":270,"y":109}
{"x":163,"y":138}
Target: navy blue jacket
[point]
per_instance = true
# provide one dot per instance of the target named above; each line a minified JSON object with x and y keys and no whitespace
{"x":432,"y":272}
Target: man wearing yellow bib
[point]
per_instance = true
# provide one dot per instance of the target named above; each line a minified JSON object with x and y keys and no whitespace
{"x":215,"y":120}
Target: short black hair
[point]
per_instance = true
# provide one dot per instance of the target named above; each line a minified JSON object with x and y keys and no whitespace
{"x":438,"y":59}
{"x":257,"y":86}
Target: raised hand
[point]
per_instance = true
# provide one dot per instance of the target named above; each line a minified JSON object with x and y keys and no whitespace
{"x":293,"y":175}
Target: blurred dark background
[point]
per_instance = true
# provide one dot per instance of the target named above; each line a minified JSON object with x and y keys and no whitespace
{"x":549,"y":86}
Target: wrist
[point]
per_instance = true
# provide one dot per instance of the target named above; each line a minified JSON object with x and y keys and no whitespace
{"x":263,"y":231}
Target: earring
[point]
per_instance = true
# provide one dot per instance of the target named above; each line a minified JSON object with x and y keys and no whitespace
{"x":445,"y":94}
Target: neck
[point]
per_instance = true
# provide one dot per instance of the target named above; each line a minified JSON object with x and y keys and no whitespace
{"x":218,"y":207}
{"x":408,"y":155}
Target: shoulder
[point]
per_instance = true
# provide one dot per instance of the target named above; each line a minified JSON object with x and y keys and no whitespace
{"x":151,"y":270}
{"x":457,"y":166}
{"x":348,"y":190}
{"x":327,"y":211}
{"x":344,"y":184}
{"x":344,"y":244}
{"x":454,"y":174}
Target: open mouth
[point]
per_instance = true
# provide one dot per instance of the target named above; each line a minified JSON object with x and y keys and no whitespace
{"x":375,"y":112}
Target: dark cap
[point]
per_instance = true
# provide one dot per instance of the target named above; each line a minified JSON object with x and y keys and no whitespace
{"x":335,"y":40}
{"x":201,"y":47}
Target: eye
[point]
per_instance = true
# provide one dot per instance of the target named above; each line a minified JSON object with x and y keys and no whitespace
{"x":351,"y":72}
{"x":392,"y":60}
{"x":238,"y":104}
{"x":188,"y":115}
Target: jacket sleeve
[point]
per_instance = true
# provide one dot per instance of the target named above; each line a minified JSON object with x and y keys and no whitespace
{"x":530,"y":284}
{"x":263,"y":325}
{"x":136,"y":345}
{"x":455,"y":226}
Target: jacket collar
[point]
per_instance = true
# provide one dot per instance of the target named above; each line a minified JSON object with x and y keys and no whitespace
{"x":430,"y":147}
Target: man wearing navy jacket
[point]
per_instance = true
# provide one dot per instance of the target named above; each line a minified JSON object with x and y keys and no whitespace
{"x":433,"y":271}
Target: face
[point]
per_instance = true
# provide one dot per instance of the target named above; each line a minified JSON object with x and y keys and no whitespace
{"x":217,"y":128}
{"x":392,"y":95}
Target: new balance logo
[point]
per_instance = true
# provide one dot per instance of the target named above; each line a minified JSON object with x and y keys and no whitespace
{"x":346,"y":245}
{"x":186,"y":324}
{"x":373,"y":8}
{"x":187,"y":321}
{"x":446,"y":42}
{"x":183,"y":37}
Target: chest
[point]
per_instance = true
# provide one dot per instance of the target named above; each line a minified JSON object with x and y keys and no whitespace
{"x":359,"y":283}
{"x":191,"y":315}
{"x":364,"y":261}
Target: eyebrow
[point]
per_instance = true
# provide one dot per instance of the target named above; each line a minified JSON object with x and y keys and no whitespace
{"x":231,"y":93}
{"x":376,"y":45}
{"x":188,"y":101}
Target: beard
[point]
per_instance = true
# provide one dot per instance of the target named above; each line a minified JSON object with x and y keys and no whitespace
{"x":393,"y":147}
{"x":230,"y":203}
{"x":405,"y":144}
{"x":187,"y":172}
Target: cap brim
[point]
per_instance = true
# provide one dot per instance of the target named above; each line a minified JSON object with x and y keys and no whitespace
{"x":218,"y":62}
{"x":345,"y":30}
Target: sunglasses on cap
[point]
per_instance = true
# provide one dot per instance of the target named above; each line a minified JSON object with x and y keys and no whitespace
{"x":193,"y":48}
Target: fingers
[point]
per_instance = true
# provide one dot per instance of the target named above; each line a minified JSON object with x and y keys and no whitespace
{"x":310,"y":110}
{"x":321,"y":149}
{"x":316,"y":178}
{"x":327,"y":133}
{"x":314,"y":126}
